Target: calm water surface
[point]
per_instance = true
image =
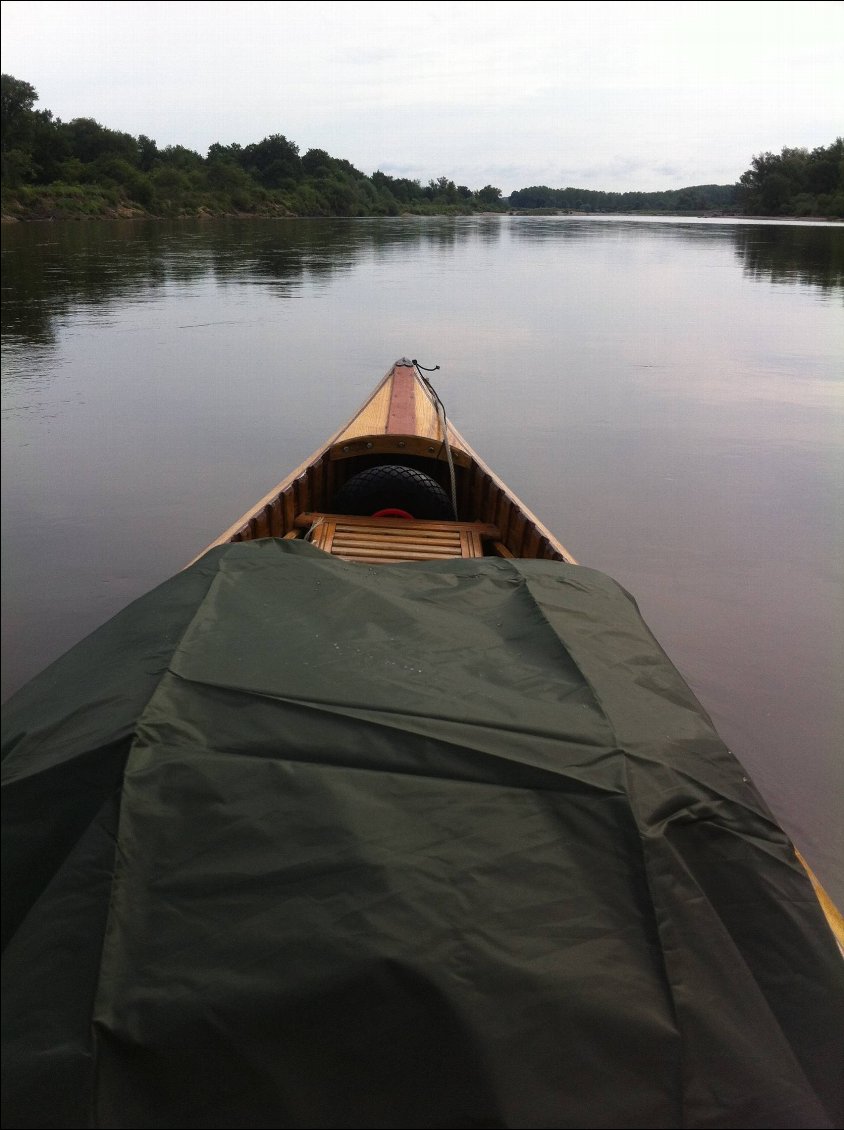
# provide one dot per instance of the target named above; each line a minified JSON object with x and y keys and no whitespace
{"x":666,"y":395}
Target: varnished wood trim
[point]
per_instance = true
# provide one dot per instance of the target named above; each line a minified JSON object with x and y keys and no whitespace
{"x":419,"y":446}
{"x":831,"y":912}
{"x":483,"y":529}
{"x":401,"y":414}
{"x":372,"y":417}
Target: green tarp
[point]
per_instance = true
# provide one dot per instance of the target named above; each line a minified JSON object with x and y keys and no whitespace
{"x":296,"y":843}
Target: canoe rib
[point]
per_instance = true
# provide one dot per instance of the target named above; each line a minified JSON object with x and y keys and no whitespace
{"x":399,"y":419}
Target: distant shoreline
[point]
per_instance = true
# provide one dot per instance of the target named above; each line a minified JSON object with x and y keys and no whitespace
{"x":55,"y":170}
{"x":42,"y":216}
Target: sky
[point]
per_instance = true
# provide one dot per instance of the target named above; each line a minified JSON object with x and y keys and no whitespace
{"x":611,"y":96}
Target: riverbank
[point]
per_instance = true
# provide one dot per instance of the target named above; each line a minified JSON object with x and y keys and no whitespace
{"x":83,"y":202}
{"x":33,"y":204}
{"x":89,"y":202}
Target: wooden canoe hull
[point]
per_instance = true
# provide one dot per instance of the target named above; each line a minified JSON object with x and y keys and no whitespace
{"x":400,"y":423}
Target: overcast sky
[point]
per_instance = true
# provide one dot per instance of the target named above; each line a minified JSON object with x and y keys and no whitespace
{"x":594,"y":95}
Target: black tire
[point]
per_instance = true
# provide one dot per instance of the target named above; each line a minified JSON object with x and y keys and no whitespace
{"x":389,"y":485}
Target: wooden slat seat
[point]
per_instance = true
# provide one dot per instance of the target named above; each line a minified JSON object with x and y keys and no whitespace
{"x":381,"y":541}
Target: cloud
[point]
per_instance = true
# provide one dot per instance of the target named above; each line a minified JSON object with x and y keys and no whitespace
{"x":601,"y":95}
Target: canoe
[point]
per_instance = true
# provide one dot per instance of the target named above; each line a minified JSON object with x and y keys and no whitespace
{"x":399,"y":452}
{"x":378,"y":819}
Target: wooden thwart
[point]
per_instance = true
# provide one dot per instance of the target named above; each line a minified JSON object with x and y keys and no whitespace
{"x":385,"y":540}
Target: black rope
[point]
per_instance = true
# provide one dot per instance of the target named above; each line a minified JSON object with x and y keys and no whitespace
{"x":421,"y":370}
{"x":444,"y":446}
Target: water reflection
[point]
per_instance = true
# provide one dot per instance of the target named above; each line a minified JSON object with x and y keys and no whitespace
{"x":798,"y":254}
{"x":49,"y":269}
{"x":651,"y":389}
{"x":807,"y":253}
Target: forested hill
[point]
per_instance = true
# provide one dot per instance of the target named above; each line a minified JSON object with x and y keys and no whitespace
{"x":56,"y":169}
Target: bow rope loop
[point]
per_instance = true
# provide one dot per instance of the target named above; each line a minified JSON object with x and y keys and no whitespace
{"x":421,"y":370}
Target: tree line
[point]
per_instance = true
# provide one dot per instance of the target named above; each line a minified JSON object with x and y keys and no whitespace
{"x":81,"y":168}
{"x":90,"y":168}
{"x":796,"y":182}
{"x":699,"y":198}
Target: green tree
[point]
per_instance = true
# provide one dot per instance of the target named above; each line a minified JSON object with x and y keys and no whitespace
{"x":88,"y":140}
{"x":272,"y":160}
{"x":17,"y":99}
{"x":316,"y":163}
{"x":233,"y":152}
{"x":147,"y":153}
{"x":489,"y":194}
{"x":17,"y":121}
{"x":179,"y":157}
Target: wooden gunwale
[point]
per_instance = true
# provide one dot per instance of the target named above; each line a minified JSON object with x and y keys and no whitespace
{"x":481,"y":493}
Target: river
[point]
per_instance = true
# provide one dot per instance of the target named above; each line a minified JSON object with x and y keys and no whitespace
{"x":665,"y":394}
